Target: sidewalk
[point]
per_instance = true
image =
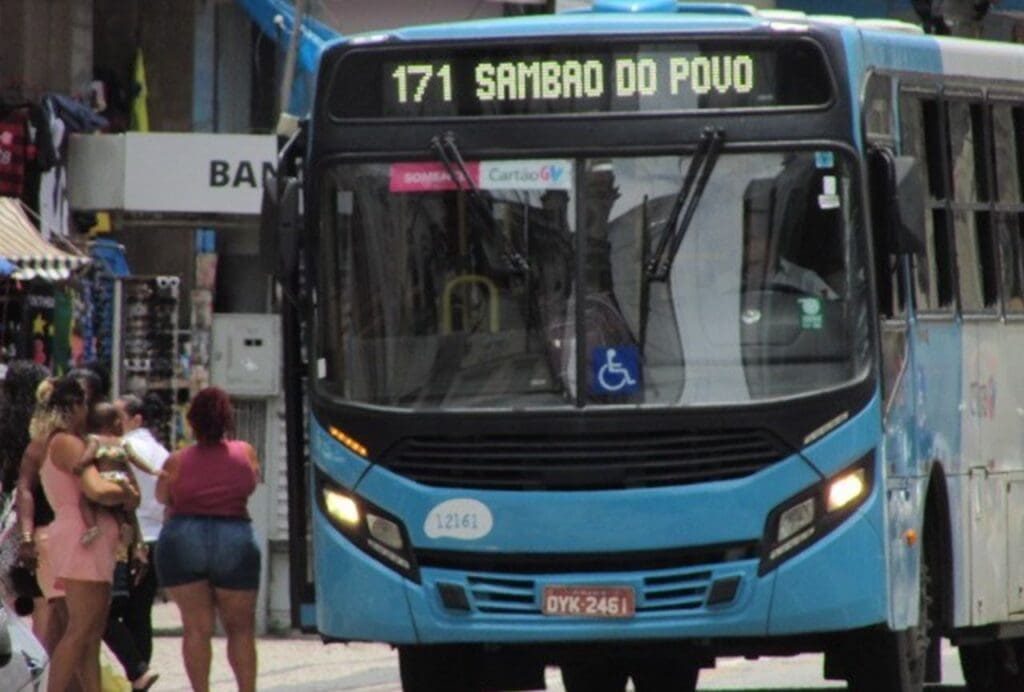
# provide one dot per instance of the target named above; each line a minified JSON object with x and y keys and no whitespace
{"x":298,"y":663}
{"x":166,"y":621}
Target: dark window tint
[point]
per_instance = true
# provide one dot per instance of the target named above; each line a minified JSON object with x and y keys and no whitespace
{"x":1007,"y":153}
{"x":921,"y":138}
{"x":966,"y":144}
{"x":1008,"y":231}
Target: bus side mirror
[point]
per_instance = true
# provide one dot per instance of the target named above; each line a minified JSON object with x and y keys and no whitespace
{"x":899,"y":197}
{"x":279,"y":225}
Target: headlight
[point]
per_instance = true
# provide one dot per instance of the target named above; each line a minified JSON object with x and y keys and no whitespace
{"x":848,"y":488}
{"x":804,"y":518}
{"x":341,"y":507}
{"x":374,"y":531}
{"x":386,"y":531}
{"x":795,"y":519}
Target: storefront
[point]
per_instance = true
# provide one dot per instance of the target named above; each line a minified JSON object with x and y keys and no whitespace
{"x":43,"y":314}
{"x":185,"y":208}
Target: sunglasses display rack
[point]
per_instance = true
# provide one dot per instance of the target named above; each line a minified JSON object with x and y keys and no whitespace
{"x":148,"y":343}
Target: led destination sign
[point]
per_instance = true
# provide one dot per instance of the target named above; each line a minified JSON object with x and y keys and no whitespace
{"x":615,"y":78}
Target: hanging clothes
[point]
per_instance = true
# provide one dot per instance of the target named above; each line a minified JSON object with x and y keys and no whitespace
{"x":15,"y":152}
{"x":54,"y":208}
{"x":62,"y":116}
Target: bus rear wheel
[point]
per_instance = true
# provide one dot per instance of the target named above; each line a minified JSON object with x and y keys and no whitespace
{"x":994,"y":666}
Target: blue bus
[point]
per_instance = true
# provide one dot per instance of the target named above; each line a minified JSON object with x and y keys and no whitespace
{"x":637,"y":336}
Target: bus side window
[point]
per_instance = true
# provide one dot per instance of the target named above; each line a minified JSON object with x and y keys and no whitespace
{"x":972,"y":232}
{"x":891,"y":297}
{"x":1008,"y":217}
{"x":880,"y":133}
{"x":921,"y":137}
{"x":878,"y":109}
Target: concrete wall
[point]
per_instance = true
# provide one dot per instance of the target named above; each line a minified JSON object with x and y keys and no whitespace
{"x":164,"y":30}
{"x":46,"y":45}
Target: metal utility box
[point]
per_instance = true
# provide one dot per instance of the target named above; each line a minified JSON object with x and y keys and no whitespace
{"x":246,"y":354}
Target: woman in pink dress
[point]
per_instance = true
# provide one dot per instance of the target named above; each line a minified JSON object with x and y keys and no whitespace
{"x":84,"y":571}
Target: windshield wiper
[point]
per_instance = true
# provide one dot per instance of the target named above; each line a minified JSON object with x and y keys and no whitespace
{"x":685,"y":205}
{"x":448,"y":153}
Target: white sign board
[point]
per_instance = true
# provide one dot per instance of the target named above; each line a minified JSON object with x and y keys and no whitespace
{"x":196,"y":172}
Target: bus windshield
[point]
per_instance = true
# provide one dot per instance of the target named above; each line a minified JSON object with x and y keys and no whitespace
{"x":514,"y":283}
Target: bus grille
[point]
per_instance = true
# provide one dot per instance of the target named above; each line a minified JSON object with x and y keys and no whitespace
{"x":674,"y":580}
{"x":592,"y":462}
{"x":674,"y":591}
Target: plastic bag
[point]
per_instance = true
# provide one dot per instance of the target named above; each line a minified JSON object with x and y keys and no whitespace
{"x":110,"y":679}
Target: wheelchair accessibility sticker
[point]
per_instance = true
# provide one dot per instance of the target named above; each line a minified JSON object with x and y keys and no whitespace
{"x":615,"y":370}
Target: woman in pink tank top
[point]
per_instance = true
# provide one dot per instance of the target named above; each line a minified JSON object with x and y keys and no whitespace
{"x":85,"y":571}
{"x":207,"y":556}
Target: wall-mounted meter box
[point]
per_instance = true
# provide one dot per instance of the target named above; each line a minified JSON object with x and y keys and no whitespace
{"x":246,"y":354}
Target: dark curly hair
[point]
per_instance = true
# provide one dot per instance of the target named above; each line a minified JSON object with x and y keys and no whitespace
{"x":16,"y":408}
{"x":211,"y":415}
{"x":151,"y":407}
{"x":68,"y":392}
{"x":56,"y":399}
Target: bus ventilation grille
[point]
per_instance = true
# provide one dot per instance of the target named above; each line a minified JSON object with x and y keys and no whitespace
{"x":593,"y":462}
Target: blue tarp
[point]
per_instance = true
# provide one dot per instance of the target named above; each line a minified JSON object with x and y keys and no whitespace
{"x":111,"y":255}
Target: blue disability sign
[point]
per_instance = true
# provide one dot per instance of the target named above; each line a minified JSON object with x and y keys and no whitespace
{"x":615,"y":370}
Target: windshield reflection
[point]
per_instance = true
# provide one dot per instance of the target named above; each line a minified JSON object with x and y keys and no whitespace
{"x":765,"y":296}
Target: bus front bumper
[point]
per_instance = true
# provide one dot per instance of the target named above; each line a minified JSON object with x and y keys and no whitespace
{"x":836,"y":584}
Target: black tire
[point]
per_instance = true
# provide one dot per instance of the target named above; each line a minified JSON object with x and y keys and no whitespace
{"x":665,"y":676}
{"x":433,"y":668}
{"x":594,"y":676}
{"x":896,"y":661}
{"x":994,"y":667}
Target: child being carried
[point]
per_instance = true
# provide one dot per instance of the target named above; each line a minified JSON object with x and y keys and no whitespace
{"x":114,"y":460}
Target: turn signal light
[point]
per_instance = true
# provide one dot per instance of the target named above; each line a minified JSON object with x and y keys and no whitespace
{"x":350,"y":442}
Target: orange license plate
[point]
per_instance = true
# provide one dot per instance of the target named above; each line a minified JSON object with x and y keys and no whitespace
{"x":589,"y":601}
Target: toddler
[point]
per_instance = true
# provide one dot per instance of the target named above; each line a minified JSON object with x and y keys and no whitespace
{"x":113,"y":458}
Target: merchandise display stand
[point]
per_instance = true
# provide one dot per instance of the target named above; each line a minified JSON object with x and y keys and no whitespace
{"x":147,"y":309}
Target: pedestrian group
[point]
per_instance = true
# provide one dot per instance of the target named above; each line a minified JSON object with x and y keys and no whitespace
{"x":106,"y":517}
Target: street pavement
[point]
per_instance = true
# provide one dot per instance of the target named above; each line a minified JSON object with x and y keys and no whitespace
{"x":304,"y":664}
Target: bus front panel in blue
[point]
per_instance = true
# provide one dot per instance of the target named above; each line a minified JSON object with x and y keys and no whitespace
{"x":693,"y":557}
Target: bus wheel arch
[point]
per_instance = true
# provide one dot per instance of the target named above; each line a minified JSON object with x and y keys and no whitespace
{"x":903,"y":661}
{"x":938,"y":550}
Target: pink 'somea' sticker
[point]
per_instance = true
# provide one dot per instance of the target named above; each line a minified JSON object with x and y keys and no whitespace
{"x":429,"y":176}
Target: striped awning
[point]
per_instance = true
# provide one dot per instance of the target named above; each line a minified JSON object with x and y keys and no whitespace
{"x":33,"y":257}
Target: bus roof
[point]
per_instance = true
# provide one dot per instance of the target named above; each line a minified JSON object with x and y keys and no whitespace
{"x":639,"y":16}
{"x":886,"y":43}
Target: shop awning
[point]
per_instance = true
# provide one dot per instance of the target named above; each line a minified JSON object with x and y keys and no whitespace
{"x":23,"y":246}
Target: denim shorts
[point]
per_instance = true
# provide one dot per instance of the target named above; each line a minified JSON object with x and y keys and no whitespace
{"x":219,"y":550}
